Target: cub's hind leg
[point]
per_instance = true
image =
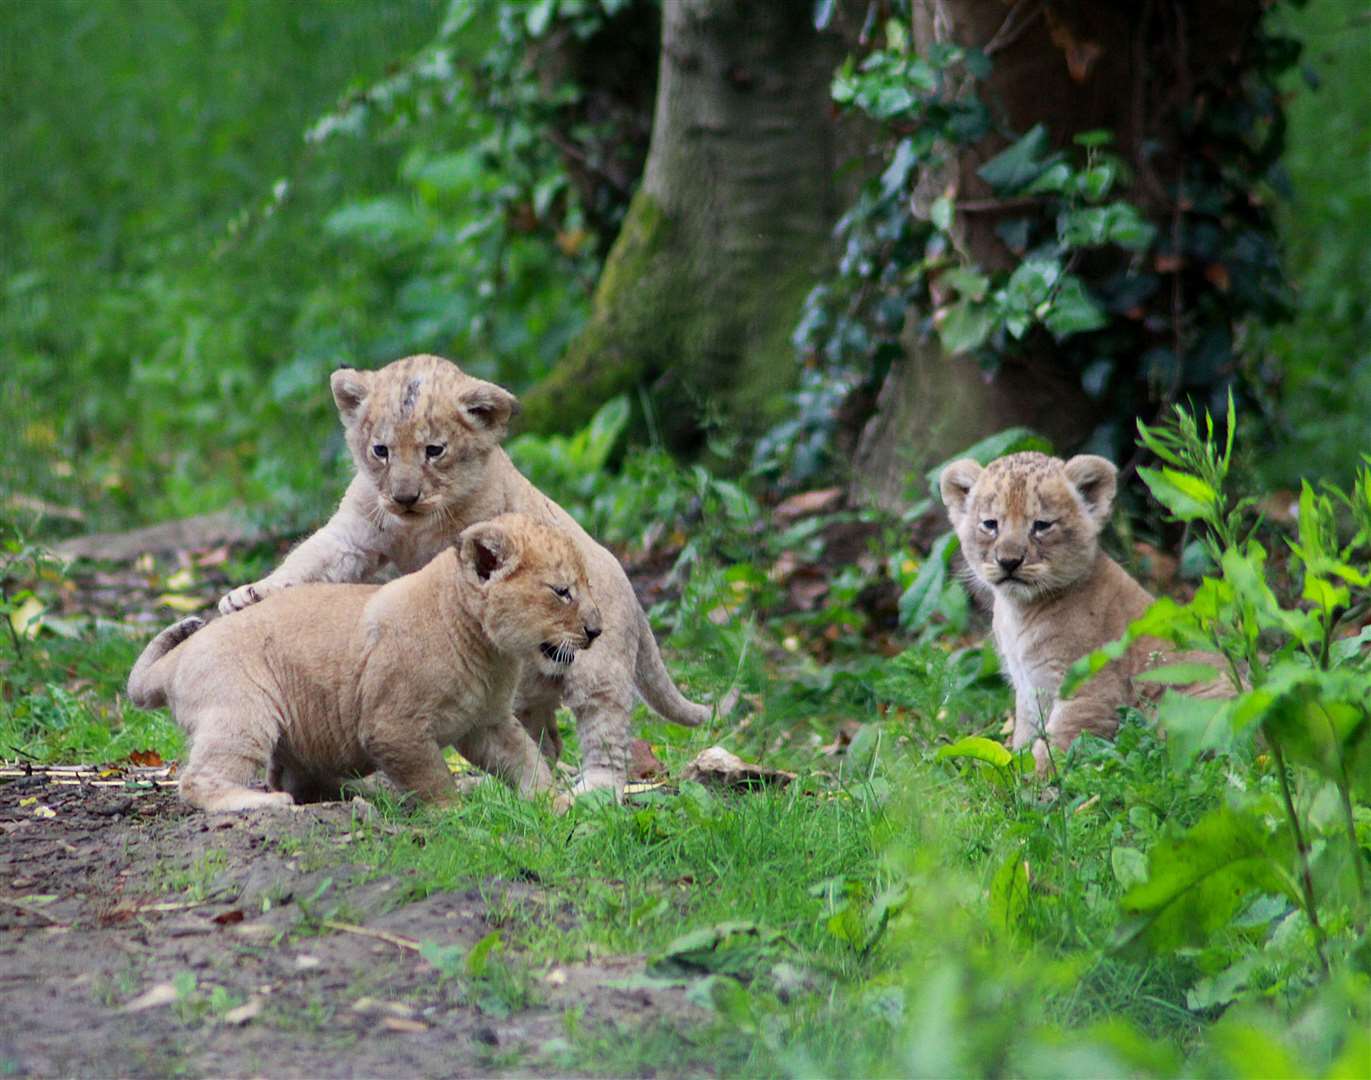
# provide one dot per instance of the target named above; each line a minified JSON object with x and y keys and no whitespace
{"x":412,"y":762}
{"x":225,"y":754}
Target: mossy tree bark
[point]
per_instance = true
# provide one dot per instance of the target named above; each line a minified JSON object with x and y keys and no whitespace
{"x":1074,"y":66}
{"x":726,"y":233}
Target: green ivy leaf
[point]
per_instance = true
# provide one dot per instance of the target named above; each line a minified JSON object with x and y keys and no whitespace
{"x":965,"y":326}
{"x":1017,"y":166}
{"x":1073,"y":311}
{"x":941,"y":213}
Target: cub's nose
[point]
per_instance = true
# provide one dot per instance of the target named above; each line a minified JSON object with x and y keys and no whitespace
{"x":1009,"y":565}
{"x":407,"y":499}
{"x":592,"y":632}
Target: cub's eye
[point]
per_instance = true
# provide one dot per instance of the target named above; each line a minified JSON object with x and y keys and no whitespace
{"x":381,"y":450}
{"x":990,"y":525}
{"x":562,"y":591}
{"x":1040,"y":527}
{"x":433,"y":451}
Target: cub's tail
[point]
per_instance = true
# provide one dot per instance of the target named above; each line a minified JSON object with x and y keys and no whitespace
{"x":149,"y":677}
{"x":655,"y":685}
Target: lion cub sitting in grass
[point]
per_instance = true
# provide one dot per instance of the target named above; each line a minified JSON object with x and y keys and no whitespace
{"x":322,"y":683}
{"x":1029,"y":526}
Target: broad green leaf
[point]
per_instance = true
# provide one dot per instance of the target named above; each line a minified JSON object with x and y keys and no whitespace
{"x":1181,"y":674}
{"x":977,"y":748}
{"x":1009,"y":441}
{"x":1348,"y":649}
{"x":1186,"y":496}
{"x":1018,"y":165}
{"x":1193,"y":725}
{"x":1073,"y":311}
{"x":965,"y":326}
{"x":941,"y":213}
{"x":1199,"y":880}
{"x":1129,"y":866}
{"x":968,"y":282}
{"x":920,"y":600}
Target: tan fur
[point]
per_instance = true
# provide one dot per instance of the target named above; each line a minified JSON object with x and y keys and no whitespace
{"x":1057,"y":596}
{"x":328,"y":682}
{"x":426,"y":401}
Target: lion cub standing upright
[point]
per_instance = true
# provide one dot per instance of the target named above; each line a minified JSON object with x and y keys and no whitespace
{"x":1029,"y":526}
{"x":323,"y":683}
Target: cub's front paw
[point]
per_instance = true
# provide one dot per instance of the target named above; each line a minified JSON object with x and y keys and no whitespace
{"x":599,"y":779}
{"x":246,"y":596}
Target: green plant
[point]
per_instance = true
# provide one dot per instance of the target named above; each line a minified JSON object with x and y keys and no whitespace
{"x":1299,"y":684}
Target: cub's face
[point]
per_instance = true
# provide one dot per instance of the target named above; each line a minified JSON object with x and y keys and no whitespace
{"x":421,"y":431}
{"x":1028,"y":523}
{"x":536,"y":603}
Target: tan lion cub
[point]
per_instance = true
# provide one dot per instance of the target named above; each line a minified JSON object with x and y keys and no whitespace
{"x":1029,"y":526}
{"x":326,"y":682}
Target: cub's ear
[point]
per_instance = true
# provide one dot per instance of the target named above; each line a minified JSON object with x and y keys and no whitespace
{"x":489,"y":550}
{"x":488,"y":407}
{"x":350,"y":388}
{"x":955,"y":486}
{"x":1096,"y":479}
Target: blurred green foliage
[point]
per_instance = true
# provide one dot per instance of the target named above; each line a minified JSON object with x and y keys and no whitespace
{"x":1324,"y":355}
{"x":182,"y":266}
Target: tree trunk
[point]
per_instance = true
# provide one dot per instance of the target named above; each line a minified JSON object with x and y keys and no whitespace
{"x":726,"y":234}
{"x":1072,"y":65}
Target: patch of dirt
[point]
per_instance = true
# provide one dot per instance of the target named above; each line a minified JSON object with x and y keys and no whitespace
{"x":112,"y":897}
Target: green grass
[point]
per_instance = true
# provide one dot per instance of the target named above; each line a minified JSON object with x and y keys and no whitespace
{"x":63,"y":702}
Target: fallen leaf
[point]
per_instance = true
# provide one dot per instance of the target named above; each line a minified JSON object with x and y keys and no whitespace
{"x":182,"y":580}
{"x":807,"y":503}
{"x":228,"y":918}
{"x":244,"y":1012}
{"x":724,"y":768}
{"x":642,"y":762}
{"x":27,"y":618}
{"x":159,"y":995}
{"x":181,"y":602}
{"x":44,"y":812}
{"x":842,"y":738}
{"x":147,"y":758}
{"x":217,"y":557}
{"x":401,"y":1024}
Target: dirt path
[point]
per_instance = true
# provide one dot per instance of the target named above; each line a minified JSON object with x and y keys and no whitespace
{"x":141,"y":938}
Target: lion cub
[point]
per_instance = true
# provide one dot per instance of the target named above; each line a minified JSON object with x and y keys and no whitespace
{"x":322,"y":683}
{"x":1029,"y":526}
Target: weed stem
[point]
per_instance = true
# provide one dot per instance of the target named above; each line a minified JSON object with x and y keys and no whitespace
{"x":1306,"y":878}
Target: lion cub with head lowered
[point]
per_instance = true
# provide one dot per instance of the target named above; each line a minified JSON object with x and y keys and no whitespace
{"x":327,"y":682}
{"x":1029,"y":526}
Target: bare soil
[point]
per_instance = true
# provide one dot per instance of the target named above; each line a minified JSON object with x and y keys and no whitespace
{"x":109,"y":893}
